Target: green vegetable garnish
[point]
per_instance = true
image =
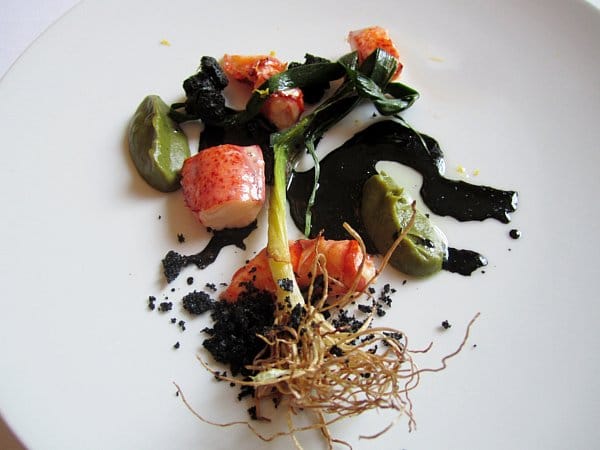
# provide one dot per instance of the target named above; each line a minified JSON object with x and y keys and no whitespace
{"x":157,"y":144}
{"x":386,"y":211}
{"x":371,"y":81}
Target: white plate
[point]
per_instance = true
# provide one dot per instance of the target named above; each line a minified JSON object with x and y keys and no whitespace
{"x":510,"y":89}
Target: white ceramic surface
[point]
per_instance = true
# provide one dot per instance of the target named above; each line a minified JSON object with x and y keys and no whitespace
{"x":510,"y":90}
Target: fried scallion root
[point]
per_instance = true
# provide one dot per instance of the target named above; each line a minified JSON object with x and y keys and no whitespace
{"x":334,"y":373}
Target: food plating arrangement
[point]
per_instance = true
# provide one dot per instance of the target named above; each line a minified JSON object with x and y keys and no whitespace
{"x":296,"y":325}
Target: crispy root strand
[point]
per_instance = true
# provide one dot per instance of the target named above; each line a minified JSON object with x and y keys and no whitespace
{"x":261,"y":436}
{"x":334,"y":373}
{"x":458,"y":350}
{"x":385,"y":430}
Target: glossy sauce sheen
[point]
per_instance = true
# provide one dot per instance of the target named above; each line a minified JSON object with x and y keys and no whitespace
{"x":345,"y":170}
{"x":174,"y":262}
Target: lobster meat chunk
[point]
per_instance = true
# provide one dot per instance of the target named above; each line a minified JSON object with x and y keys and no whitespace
{"x":366,"y":40}
{"x":343,"y":265}
{"x":225,"y":185}
{"x":282,"y":108}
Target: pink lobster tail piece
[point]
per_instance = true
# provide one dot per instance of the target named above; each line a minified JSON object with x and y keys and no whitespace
{"x":225,"y":185}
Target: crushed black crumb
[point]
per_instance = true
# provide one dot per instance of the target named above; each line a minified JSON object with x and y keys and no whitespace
{"x":246,"y":391}
{"x":336,"y":351}
{"x":181,"y":325}
{"x":345,"y":321}
{"x":397,"y":336}
{"x":368,"y":337}
{"x":286,"y":284}
{"x":197,"y":302}
{"x":446,"y":325}
{"x":180,"y":238}
{"x":219,"y":375}
{"x":233,"y":337}
{"x":318,"y":287}
{"x":176,"y":346}
{"x":190,"y":281}
{"x":173,"y":262}
{"x":211,"y":287}
{"x":252,"y":413}
{"x":165,"y":306}
{"x":296,"y":316}
{"x":367,"y":309}
{"x":173,"y":320}
{"x":384,"y":295}
{"x":151,"y":301}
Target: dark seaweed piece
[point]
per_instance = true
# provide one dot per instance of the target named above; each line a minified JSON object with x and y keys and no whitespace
{"x":213,"y":69}
{"x":204,"y":91}
{"x":312,"y":93}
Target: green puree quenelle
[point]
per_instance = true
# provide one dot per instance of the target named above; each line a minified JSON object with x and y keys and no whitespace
{"x":385,"y":211}
{"x":157,"y":144}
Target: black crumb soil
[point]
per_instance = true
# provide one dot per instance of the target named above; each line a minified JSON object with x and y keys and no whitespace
{"x":233,"y":339}
{"x":165,"y":306}
{"x":197,"y":302}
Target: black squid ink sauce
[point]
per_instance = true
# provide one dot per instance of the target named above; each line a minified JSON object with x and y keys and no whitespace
{"x":174,"y":262}
{"x":345,"y":170}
